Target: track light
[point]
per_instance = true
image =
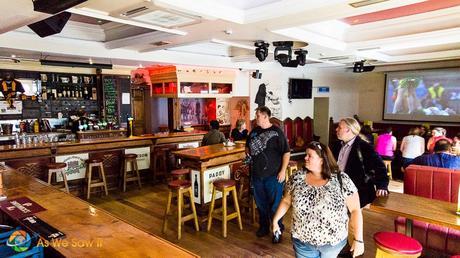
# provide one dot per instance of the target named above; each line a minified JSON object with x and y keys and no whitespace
{"x":283,"y":51}
{"x":301,"y":57}
{"x":261,"y":50}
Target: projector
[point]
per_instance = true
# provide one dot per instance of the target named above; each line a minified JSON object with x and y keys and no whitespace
{"x":359,"y":67}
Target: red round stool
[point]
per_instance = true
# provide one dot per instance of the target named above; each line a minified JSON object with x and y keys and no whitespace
{"x":182,"y":173}
{"x":393,"y":244}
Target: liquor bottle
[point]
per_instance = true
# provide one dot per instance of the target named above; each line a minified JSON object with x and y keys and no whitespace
{"x":81,"y":92}
{"x":195,"y":187}
{"x":94,"y":91}
{"x":68,"y":92}
{"x":85,"y":93}
{"x":36,"y":126}
{"x":44,"y":92}
{"x":64,"y":92}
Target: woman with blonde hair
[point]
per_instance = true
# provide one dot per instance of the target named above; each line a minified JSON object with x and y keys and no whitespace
{"x":239,"y":132}
{"x":320,"y":197}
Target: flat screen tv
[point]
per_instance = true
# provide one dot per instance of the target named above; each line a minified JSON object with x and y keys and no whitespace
{"x":300,"y":88}
{"x":423,"y":95}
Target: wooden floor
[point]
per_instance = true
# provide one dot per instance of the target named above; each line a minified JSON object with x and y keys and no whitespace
{"x":145,"y":209}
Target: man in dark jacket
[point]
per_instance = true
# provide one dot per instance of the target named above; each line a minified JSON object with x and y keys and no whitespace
{"x":214,"y":136}
{"x":366,"y":170}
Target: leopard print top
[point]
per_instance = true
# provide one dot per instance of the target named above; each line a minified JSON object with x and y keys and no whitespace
{"x":319,"y":214}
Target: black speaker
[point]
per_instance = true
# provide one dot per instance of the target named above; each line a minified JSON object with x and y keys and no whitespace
{"x":257,"y":75}
{"x":51,"y":25}
{"x":54,"y":6}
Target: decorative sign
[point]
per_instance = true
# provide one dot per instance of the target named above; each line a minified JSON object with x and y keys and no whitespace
{"x":323,"y":89}
{"x":20,"y":207}
{"x":76,"y":166}
{"x":196,"y":186}
{"x":143,"y":157}
{"x":41,"y":228}
{"x":5,"y":108}
{"x":111,"y":100}
{"x":209,"y":176}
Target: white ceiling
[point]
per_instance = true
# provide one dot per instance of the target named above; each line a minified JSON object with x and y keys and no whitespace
{"x":222,"y":32}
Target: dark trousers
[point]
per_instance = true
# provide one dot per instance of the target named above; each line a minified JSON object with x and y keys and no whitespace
{"x":267,"y":194}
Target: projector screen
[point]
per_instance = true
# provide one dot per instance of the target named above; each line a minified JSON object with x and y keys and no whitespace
{"x":423,"y":95}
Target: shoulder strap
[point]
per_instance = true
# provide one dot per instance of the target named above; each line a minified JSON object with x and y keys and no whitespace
{"x":360,"y":156}
{"x":339,"y":178}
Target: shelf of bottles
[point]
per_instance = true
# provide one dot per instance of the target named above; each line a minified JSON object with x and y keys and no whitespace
{"x":68,"y":87}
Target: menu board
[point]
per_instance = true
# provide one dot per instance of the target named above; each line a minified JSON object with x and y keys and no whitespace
{"x":110,"y":100}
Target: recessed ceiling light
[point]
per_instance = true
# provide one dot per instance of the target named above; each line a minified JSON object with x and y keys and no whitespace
{"x":13,"y":56}
{"x":90,"y":61}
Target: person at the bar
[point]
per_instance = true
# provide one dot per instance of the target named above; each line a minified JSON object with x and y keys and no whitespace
{"x":239,"y":132}
{"x":269,"y":153}
{"x":214,"y":136}
{"x":360,"y":161}
{"x":441,"y":158}
{"x":320,"y":196}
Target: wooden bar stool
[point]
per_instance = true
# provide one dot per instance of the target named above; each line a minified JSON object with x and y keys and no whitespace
{"x":159,"y":162}
{"x":178,"y":188}
{"x":134,"y":173}
{"x":291,"y":168}
{"x":58,"y":167}
{"x":100,"y":181}
{"x":393,"y":244}
{"x":225,"y":186}
{"x":388,"y":166}
{"x":183,"y":174}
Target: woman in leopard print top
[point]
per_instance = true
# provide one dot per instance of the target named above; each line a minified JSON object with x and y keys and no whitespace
{"x":320,"y":197}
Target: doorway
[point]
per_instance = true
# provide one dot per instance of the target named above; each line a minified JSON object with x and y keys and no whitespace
{"x":321,"y":119}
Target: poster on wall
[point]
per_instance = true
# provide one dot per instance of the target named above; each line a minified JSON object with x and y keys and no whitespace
{"x":143,"y":157}
{"x":239,"y":107}
{"x":6,"y":109}
{"x":223,"y":114}
{"x":76,"y":166}
{"x":269,"y":95}
{"x":197,"y":111}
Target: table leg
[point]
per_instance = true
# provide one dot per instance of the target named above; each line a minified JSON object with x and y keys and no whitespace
{"x":409,"y":227}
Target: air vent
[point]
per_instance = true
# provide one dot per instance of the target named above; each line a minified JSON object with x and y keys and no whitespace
{"x":136,"y":10}
{"x":334,"y":58}
{"x":160,"y":43}
{"x":366,"y":3}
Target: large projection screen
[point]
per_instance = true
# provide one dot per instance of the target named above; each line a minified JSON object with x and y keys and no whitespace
{"x":423,"y":95}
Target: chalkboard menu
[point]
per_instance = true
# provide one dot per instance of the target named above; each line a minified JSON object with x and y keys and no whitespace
{"x":110,"y":100}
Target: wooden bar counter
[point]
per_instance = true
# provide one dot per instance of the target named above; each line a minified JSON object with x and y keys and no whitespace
{"x":208,"y":163}
{"x":82,"y":222}
{"x":31,"y":159}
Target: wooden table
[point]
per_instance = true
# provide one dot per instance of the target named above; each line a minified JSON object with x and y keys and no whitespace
{"x":418,"y":208}
{"x":209,"y":163}
{"x":81,"y":221}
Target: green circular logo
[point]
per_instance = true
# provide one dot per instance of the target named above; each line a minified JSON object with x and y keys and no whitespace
{"x":20,"y":241}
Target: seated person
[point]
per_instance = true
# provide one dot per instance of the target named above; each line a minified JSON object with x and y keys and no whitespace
{"x":239,"y":132}
{"x":441,"y":158}
{"x":437,"y":134}
{"x":214,"y":136}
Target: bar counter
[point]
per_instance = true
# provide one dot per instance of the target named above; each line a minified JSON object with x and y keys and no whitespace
{"x":82,"y":222}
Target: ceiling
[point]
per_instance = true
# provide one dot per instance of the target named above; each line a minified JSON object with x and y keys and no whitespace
{"x":222,"y":32}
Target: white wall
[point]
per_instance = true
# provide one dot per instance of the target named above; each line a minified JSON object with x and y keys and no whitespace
{"x":343,"y":96}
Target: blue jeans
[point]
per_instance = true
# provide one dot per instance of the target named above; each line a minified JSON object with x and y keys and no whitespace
{"x":267,"y":194}
{"x":305,"y":250}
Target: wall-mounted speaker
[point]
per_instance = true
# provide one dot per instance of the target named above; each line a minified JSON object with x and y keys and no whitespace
{"x":51,"y":25}
{"x":257,"y":74}
{"x":54,"y":6}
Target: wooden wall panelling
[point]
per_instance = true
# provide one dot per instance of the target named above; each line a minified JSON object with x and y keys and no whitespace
{"x":112,"y":165}
{"x":35,"y":167}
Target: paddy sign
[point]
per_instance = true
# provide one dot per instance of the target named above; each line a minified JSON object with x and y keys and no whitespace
{"x":209,"y":176}
{"x":143,"y":157}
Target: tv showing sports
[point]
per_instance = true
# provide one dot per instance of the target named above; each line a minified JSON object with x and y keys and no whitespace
{"x":423,"y":95}
{"x":300,"y":88}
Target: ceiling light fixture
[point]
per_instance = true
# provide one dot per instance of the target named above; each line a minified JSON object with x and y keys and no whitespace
{"x":261,"y":50}
{"x":74,"y":64}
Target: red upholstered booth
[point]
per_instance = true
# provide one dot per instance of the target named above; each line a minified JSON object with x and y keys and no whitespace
{"x":434,"y":183}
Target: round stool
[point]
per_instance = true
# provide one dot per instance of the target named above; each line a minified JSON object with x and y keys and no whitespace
{"x":225,"y":186}
{"x":388,"y":166}
{"x":183,"y":173}
{"x":58,"y":167}
{"x":134,"y":175}
{"x":291,"y":168}
{"x":159,"y":162}
{"x":393,"y":244}
{"x":100,"y":180}
{"x":178,"y":188}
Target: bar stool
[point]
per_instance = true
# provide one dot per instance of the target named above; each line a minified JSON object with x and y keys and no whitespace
{"x":58,"y":167}
{"x":100,"y":181}
{"x":159,"y":162}
{"x":178,"y":188}
{"x":393,"y":244}
{"x":134,"y":175}
{"x":225,"y":186}
{"x":388,"y":166}
{"x":183,"y":174}
{"x":245,"y":198}
{"x":291,"y":168}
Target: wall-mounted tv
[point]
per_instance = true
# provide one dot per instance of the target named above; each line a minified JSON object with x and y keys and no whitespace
{"x":300,"y":88}
{"x":423,"y":95}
